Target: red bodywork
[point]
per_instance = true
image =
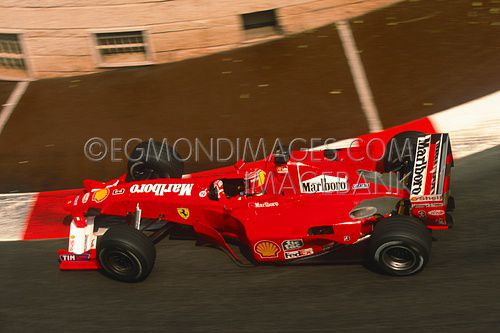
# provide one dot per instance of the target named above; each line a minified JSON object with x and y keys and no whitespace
{"x":288,"y":210}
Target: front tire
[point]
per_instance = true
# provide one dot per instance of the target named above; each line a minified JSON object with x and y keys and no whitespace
{"x":126,"y":254}
{"x":400,"y":245}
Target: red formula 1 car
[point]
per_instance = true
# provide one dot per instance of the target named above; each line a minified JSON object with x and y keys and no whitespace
{"x":287,"y":208}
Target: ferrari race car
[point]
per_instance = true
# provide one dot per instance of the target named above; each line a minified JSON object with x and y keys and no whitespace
{"x":287,"y":208}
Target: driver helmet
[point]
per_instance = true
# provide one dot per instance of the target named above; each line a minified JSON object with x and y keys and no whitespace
{"x":255,"y":182}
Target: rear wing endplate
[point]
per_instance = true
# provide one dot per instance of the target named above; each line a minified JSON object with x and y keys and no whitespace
{"x":432,"y":156}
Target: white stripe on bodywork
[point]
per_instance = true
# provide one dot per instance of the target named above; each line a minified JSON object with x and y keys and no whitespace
{"x":437,"y":168}
{"x":473,"y":126}
{"x":14,"y":213}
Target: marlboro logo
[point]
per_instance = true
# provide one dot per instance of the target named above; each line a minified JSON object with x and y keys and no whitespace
{"x":420,"y":168}
{"x":161,"y":189}
{"x":324,"y":184}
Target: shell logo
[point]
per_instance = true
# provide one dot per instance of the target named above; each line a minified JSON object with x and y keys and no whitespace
{"x":100,"y":195}
{"x":267,"y":249}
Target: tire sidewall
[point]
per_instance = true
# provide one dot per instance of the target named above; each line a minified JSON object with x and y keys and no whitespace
{"x":164,"y":171}
{"x":163,"y":159}
{"x":132,"y":249}
{"x":116,"y":246}
{"x":399,"y":141}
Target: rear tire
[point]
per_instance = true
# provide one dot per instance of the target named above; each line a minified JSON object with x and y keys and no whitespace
{"x":400,"y":245}
{"x":126,"y":254}
{"x":153,"y":159}
{"x":398,"y":144}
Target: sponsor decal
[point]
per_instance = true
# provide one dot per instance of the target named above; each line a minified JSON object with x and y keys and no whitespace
{"x":422,"y":198}
{"x":267,"y":249}
{"x":298,"y":253}
{"x":161,"y":189}
{"x":421,"y":213}
{"x":183,"y":212}
{"x":118,"y":191}
{"x":436,"y":212}
{"x":420,"y":168}
{"x":435,"y":166}
{"x":323,"y":184}
{"x":203,"y":193}
{"x":360,"y":186}
{"x":292,"y":244}
{"x":85,"y":197}
{"x":427,"y":205}
{"x":263,"y":204}
{"x":100,"y":195}
{"x":74,"y":257}
{"x":282,"y":169}
{"x":75,"y":201}
{"x":347,"y":238}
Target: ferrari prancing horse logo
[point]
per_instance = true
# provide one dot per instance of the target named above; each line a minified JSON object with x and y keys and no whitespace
{"x":183,"y":212}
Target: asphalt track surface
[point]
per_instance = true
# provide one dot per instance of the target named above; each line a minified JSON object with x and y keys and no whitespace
{"x":437,"y":55}
{"x":198,"y":289}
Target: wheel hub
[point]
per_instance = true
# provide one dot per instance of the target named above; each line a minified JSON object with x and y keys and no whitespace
{"x":120,"y":262}
{"x":399,"y":257}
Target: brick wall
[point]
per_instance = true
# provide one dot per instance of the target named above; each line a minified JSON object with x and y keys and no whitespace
{"x":57,"y":35}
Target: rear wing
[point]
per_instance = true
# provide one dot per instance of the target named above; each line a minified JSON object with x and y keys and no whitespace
{"x":430,"y":181}
{"x":433,"y":160}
